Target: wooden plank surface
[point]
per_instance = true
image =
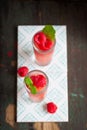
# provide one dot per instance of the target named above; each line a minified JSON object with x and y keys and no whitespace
{"x":31,"y":12}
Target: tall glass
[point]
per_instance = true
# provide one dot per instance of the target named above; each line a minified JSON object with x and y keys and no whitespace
{"x":40,"y":95}
{"x":43,"y":57}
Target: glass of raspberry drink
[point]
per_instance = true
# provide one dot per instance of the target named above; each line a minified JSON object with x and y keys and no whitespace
{"x":36,"y":84}
{"x":43,"y":45}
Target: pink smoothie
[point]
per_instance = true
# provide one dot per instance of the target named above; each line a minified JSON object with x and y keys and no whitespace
{"x":40,"y":81}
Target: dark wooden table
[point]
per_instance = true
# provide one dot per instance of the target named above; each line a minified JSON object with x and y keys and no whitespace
{"x":31,"y":12}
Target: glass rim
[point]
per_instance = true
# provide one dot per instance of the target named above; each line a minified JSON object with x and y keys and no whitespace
{"x":46,"y":86}
{"x":42,"y":51}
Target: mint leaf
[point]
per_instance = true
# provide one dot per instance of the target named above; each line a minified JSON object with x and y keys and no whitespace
{"x":29,"y":83}
{"x":49,"y":31}
{"x":33,"y":90}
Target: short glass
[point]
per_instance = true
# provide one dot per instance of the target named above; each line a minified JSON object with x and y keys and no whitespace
{"x":43,"y":57}
{"x":40,"y":95}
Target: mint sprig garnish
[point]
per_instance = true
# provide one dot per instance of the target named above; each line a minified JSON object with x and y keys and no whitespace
{"x":29,"y":83}
{"x":49,"y":31}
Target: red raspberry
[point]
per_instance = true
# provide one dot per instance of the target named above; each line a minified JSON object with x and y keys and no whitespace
{"x":40,"y":39}
{"x":38,"y":80}
{"x":48,"y":44}
{"x":51,"y":107}
{"x":42,"y":42}
{"x":22,"y":71}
